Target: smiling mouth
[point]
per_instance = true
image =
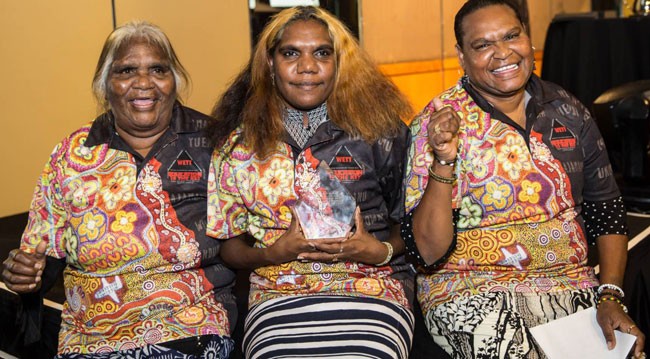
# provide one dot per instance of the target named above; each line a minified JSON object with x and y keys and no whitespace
{"x":506,"y":68}
{"x":307,"y":85}
{"x":143,"y":102}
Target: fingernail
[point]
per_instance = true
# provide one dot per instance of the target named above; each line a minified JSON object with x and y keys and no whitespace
{"x":32,"y":286}
{"x":609,"y":346}
{"x":40,"y":273}
{"x":38,"y":266}
{"x":312,"y":245}
{"x":300,"y":258}
{"x":38,"y":279}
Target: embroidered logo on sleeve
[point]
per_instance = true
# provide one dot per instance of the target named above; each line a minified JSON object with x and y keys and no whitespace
{"x":562,"y":138}
{"x":345,"y":167}
{"x":184,"y":169}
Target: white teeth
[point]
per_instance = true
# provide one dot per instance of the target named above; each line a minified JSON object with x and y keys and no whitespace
{"x":142,"y":102}
{"x":505,"y":68}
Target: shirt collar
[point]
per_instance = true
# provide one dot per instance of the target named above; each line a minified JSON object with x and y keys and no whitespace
{"x":295,"y":127}
{"x":317,"y":115}
{"x":103,"y":128}
{"x":536,"y":88}
{"x":538,"y":93}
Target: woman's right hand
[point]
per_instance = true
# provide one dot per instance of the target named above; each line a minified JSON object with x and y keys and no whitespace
{"x":292,"y":243}
{"x":443,"y":131}
{"x":22,"y":270}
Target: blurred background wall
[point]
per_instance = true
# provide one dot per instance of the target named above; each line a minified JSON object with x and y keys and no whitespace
{"x":415,"y":41}
{"x":49,"y":49}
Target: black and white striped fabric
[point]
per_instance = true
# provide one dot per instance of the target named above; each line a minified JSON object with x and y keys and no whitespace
{"x":328,"y":327}
{"x":496,"y":324}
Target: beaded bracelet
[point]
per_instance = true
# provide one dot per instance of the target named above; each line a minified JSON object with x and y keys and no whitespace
{"x":609,"y":298}
{"x":450,"y":163}
{"x":613,"y":287}
{"x":612,"y":293}
{"x":441,"y":179}
{"x":389,"y":256}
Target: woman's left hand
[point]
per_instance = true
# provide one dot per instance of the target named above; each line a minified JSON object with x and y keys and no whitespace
{"x":361,"y":246}
{"x":610,"y":316}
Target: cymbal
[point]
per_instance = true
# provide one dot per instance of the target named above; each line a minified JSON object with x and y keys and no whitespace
{"x":619,"y":92}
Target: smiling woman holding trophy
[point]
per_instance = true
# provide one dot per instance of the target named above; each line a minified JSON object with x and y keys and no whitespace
{"x":310,"y":119}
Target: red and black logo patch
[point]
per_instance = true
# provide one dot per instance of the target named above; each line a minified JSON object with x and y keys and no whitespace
{"x":562,"y":139}
{"x":345,"y":167}
{"x":184,"y":169}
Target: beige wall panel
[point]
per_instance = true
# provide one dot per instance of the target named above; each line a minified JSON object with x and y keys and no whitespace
{"x":404,"y":30}
{"x":210,"y":37}
{"x":449,"y":10}
{"x":570,"y":6}
{"x":540,"y":18}
{"x":419,"y":88}
{"x":452,"y":71}
{"x":49,"y":53}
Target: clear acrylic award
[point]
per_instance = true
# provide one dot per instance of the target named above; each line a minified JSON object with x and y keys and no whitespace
{"x":325,"y":208}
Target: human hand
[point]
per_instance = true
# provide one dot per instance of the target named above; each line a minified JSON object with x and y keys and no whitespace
{"x":360,"y":246}
{"x":22,"y":270}
{"x":290,"y":244}
{"x":610,"y":316}
{"x":443,"y":131}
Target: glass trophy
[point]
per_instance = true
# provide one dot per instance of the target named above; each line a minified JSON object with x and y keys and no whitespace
{"x":325,"y":208}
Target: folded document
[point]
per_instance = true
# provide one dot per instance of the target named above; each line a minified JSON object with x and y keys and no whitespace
{"x":579,"y":336}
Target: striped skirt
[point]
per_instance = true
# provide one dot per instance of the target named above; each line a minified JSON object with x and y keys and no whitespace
{"x":328,"y":327}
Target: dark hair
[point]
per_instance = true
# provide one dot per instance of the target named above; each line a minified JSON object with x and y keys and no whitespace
{"x":473,"y":5}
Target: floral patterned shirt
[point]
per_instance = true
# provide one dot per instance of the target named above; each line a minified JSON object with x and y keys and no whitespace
{"x":254,"y":196}
{"x":140,"y":269}
{"x":519,"y":194}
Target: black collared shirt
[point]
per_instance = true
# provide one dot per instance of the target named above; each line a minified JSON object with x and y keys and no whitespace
{"x":132,"y":232}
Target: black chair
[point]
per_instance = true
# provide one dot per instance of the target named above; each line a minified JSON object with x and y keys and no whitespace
{"x":623,"y":117}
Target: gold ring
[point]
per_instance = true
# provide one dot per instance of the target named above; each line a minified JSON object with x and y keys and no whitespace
{"x":335,"y":259}
{"x":341,"y":248}
{"x":630,"y":328}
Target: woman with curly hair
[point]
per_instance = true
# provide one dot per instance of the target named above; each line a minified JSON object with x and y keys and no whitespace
{"x":311,"y":97}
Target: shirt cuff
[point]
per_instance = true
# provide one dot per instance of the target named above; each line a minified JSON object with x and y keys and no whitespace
{"x":412,"y":249}
{"x":604,"y":217}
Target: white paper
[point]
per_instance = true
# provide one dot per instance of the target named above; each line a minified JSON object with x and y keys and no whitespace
{"x":579,"y":336}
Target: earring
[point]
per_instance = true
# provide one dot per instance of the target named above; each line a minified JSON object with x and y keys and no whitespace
{"x":463,"y":78}
{"x":272,"y":79}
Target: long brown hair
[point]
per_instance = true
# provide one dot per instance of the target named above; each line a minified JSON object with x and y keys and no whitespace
{"x":364,"y":102}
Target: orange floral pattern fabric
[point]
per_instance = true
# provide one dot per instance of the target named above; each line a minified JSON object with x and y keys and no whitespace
{"x":134,"y":272}
{"x":252,"y":195}
{"x":518,"y":228}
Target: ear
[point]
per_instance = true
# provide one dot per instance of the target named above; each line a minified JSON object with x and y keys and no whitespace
{"x":269,"y":61}
{"x":461,"y":56}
